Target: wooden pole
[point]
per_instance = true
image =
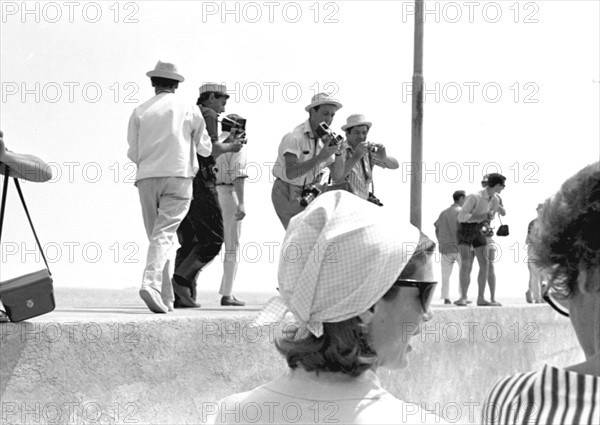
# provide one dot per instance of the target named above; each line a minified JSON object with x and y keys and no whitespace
{"x":416,"y":189}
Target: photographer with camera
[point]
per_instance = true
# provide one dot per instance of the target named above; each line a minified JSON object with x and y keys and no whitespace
{"x":474,"y":231}
{"x":302,"y":157}
{"x":201,"y":232}
{"x":362,"y":156}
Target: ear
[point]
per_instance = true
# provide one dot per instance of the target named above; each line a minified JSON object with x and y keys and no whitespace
{"x":368,"y":315}
{"x":587,"y":281}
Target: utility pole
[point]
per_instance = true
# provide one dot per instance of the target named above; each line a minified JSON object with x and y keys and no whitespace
{"x":416,"y":155}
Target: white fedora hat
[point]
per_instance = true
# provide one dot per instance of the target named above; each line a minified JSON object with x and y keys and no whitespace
{"x":214,"y":88}
{"x":322,"y":99}
{"x":165,"y":70}
{"x":354,"y":120}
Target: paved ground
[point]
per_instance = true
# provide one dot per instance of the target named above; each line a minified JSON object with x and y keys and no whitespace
{"x":126,"y":305}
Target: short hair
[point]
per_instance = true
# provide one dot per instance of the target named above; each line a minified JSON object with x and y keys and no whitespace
{"x":164,"y":82}
{"x":494,"y":179}
{"x":344,"y":346}
{"x":458,"y":194}
{"x":204,"y":96}
{"x":567,"y":238}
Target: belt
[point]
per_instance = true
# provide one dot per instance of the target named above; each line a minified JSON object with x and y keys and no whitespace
{"x":224,"y":184}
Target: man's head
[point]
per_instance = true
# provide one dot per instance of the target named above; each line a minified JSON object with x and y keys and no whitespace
{"x":496,"y":182}
{"x":322,"y":109}
{"x":357,"y":129}
{"x":165,"y":76}
{"x":213,"y":96}
{"x":459,"y":197}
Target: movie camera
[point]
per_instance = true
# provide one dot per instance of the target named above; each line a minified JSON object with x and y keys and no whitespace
{"x":232,"y":121}
{"x":324,"y":131}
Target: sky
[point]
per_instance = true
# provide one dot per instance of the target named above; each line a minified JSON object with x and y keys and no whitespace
{"x":511,"y":86}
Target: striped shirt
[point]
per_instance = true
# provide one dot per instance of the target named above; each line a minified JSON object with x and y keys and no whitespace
{"x":361,"y":175}
{"x":550,"y":396}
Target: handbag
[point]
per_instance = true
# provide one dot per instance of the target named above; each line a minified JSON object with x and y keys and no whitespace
{"x":32,"y":294}
{"x":503,"y":229}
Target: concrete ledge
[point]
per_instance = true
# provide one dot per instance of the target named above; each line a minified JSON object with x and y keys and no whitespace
{"x":144,"y":368}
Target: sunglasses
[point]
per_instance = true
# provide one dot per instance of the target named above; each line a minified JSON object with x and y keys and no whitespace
{"x":426,"y":289}
{"x":556,"y":303}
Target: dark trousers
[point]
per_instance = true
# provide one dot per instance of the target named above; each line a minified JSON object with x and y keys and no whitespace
{"x":200,"y":236}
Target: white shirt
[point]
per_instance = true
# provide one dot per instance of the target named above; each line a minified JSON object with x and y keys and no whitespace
{"x":476,"y":204}
{"x":302,"y":397}
{"x":301,"y":143}
{"x":231,"y":165}
{"x":164,"y":136}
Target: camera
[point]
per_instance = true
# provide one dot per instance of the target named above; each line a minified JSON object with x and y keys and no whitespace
{"x":486,"y":229}
{"x":324,"y":130}
{"x":233,"y":121}
{"x":372,"y":147}
{"x":374,"y":200}
{"x":309,"y":194}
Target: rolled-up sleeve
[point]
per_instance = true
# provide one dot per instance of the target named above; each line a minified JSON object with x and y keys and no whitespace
{"x":200,"y":138}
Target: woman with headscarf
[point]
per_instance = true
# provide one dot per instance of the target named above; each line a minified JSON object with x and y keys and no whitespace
{"x":567,"y":242}
{"x":359,"y":286}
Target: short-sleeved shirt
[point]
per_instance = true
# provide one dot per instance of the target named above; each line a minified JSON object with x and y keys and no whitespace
{"x":549,"y":396}
{"x":361,"y":175}
{"x":476,"y":204}
{"x":304,"y":145}
{"x":445,"y":228}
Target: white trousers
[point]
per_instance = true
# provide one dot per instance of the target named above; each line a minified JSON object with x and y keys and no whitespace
{"x":232,"y":229}
{"x":535,"y":277}
{"x":448,"y":261}
{"x":165,"y":202}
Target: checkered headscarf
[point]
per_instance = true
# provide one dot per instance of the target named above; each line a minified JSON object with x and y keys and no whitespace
{"x":338,"y":258}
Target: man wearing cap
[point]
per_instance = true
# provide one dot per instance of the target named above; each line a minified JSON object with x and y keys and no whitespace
{"x":362,"y":156}
{"x":302,"y":156}
{"x":201,"y":232}
{"x":164,"y":136}
{"x":445,"y":230}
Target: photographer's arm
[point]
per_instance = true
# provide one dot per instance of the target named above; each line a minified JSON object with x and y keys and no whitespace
{"x":231,"y":144}
{"x":295,"y":169}
{"x":23,"y":166}
{"x":389,"y":161}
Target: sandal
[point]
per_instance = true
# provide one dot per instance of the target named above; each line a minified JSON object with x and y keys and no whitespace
{"x":461,"y":303}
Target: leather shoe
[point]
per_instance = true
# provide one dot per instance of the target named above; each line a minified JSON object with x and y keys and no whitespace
{"x":230,"y":300}
{"x":183,"y":299}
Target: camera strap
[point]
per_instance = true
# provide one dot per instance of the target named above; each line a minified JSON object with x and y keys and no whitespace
{"x":3,"y":209}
